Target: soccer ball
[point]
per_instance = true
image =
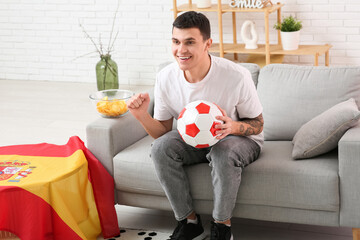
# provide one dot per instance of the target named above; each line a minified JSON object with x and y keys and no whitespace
{"x":196,"y":123}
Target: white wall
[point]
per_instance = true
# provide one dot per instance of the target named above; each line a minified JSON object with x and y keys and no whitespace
{"x":40,"y":39}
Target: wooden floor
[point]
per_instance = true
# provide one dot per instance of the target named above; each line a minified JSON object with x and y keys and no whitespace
{"x":36,"y":111}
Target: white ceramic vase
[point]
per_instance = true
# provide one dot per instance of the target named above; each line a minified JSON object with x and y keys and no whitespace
{"x":290,"y":40}
{"x":203,"y":3}
{"x":249,"y":35}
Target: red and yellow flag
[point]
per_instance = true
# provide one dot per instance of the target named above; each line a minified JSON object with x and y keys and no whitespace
{"x":55,"y":192}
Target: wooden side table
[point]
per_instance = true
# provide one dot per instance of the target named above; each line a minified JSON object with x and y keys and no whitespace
{"x":266,"y":53}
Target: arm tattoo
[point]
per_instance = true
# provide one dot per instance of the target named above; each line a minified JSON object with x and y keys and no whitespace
{"x":251,"y":126}
{"x":242,"y":128}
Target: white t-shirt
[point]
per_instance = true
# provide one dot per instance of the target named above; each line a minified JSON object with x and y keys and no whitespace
{"x":227,"y":84}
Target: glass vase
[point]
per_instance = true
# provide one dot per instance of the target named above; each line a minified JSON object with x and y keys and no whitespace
{"x":107,"y":73}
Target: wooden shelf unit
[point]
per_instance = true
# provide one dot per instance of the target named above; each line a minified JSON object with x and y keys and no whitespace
{"x":266,"y":49}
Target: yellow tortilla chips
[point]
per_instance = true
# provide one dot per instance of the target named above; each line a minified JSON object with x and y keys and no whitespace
{"x":111,"y":108}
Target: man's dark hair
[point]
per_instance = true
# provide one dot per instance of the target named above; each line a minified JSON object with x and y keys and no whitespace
{"x":193,"y":19}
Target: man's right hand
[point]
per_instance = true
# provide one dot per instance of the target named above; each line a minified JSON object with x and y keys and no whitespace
{"x":138,"y":104}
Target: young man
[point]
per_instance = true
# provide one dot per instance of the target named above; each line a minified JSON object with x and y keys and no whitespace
{"x":200,"y":76}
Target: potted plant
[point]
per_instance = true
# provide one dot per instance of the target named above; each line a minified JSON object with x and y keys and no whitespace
{"x":290,"y":32}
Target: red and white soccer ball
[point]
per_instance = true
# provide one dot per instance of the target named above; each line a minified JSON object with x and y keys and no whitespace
{"x":196,"y":123}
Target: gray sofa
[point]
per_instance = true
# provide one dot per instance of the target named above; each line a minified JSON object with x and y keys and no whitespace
{"x":323,"y":190}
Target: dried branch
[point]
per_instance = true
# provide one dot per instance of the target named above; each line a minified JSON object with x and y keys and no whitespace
{"x":112,"y":45}
{"x":86,"y":54}
{"x":112,"y":28}
{"x":88,"y":36}
{"x":100,"y":43}
{"x":100,"y":46}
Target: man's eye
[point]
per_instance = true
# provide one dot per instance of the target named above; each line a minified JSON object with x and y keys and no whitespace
{"x":190,"y":42}
{"x":175,"y":42}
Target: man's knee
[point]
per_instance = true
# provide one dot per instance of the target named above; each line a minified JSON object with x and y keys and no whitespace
{"x":157,"y":147}
{"x":233,"y":153}
{"x":163,"y":145}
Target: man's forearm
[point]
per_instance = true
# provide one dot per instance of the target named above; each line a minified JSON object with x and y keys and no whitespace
{"x":247,"y":127}
{"x":152,"y":126}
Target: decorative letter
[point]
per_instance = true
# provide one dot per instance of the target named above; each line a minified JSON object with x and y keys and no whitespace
{"x":259,"y":4}
{"x":232,"y":3}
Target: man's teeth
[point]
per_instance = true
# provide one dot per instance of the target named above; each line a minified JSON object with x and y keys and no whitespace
{"x":184,"y":58}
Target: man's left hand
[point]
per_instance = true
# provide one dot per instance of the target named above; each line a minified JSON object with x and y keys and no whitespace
{"x":225,"y":128}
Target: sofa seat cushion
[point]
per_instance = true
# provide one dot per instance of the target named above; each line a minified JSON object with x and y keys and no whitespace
{"x":275,"y":179}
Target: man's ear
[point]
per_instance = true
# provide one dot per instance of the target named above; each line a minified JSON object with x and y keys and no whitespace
{"x":208,"y":43}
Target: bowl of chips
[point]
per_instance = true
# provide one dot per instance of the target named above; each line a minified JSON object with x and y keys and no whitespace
{"x":111,"y":103}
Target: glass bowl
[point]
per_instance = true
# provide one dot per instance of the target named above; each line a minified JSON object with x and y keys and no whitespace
{"x":111,"y":103}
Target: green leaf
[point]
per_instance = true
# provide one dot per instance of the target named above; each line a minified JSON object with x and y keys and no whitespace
{"x":289,"y":24}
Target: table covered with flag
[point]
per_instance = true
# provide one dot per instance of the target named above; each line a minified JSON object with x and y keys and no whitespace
{"x":55,"y":192}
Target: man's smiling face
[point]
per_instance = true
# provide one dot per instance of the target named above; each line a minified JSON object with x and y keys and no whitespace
{"x":189,"y":47}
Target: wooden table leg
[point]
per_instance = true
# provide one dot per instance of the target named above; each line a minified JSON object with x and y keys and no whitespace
{"x":220,"y":26}
{"x":267,"y":41}
{"x":175,"y":9}
{"x":279,"y":22}
{"x":356,"y":233}
{"x":234,"y":33}
{"x":316,"y":59}
{"x":327,"y":62}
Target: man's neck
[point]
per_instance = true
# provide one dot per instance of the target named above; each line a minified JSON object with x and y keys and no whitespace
{"x":198,"y":73}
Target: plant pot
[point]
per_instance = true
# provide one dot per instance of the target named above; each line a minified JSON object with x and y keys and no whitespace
{"x":107,"y":73}
{"x":203,"y":3}
{"x":290,"y":40}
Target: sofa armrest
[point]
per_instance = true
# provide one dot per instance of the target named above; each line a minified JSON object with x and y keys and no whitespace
{"x":349,"y":172}
{"x":106,"y":137}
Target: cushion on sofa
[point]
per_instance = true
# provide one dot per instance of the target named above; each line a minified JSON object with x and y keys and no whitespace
{"x":322,"y":133}
{"x":293,"y":95}
{"x":254,"y":70}
{"x":275,"y":179}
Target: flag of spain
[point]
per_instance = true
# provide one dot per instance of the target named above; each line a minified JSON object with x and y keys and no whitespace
{"x":55,"y":192}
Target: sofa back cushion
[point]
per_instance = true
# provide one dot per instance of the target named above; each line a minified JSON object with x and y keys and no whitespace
{"x":292,"y":95}
{"x":254,"y":70}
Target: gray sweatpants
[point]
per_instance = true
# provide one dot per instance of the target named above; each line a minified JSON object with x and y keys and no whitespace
{"x":227,"y":158}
